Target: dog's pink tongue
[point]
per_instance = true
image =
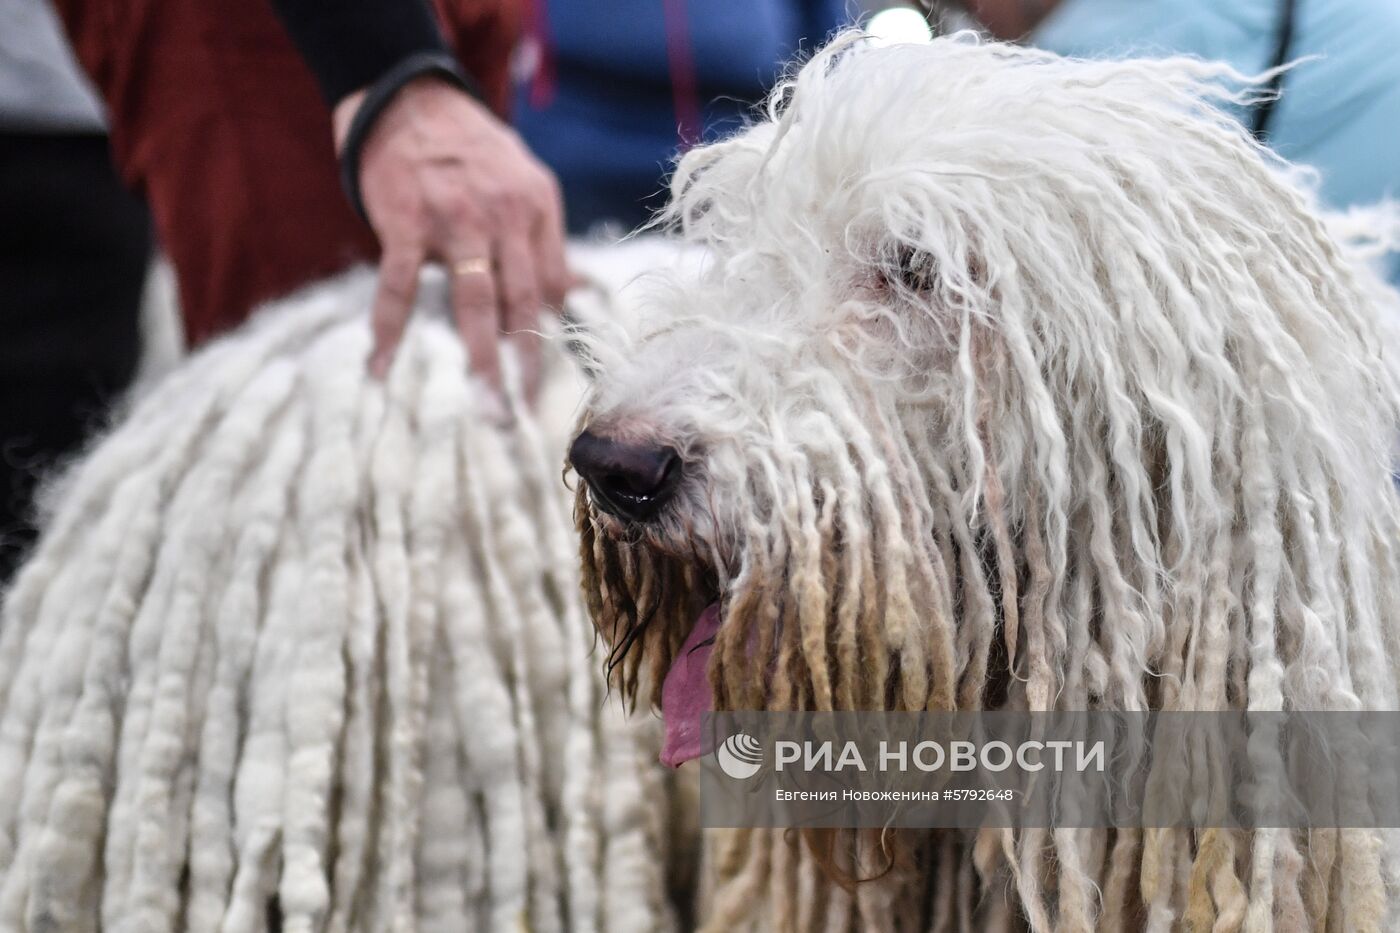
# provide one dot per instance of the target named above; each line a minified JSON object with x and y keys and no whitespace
{"x":685,"y":695}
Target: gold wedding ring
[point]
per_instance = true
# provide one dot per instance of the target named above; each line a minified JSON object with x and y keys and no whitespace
{"x":477,"y":265}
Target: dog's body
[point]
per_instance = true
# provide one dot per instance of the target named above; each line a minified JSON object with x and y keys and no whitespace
{"x":300,"y":650}
{"x":1014,"y":382}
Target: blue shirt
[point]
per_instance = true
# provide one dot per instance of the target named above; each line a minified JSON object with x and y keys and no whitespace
{"x":600,"y":109}
{"x":1339,"y":114}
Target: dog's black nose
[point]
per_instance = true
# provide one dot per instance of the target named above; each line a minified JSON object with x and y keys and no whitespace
{"x":631,"y":481}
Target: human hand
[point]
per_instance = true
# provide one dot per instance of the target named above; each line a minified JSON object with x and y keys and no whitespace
{"x":442,"y":179}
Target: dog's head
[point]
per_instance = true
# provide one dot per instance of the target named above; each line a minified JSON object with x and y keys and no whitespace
{"x":991,"y":353}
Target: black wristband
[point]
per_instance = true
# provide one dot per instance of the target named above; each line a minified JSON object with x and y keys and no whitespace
{"x":377,"y":97}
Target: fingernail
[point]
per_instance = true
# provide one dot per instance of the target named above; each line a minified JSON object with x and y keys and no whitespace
{"x":378,"y":364}
{"x":493,"y":404}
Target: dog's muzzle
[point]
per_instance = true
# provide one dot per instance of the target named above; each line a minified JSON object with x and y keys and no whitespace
{"x":629,"y":481}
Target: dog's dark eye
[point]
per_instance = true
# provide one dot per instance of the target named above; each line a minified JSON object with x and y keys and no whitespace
{"x":907,"y":269}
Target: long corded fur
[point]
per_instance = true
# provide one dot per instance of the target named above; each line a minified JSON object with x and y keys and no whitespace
{"x":1024,"y":383}
{"x":302,"y":651}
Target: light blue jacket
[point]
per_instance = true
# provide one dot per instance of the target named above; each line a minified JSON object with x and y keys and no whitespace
{"x":1339,"y":113}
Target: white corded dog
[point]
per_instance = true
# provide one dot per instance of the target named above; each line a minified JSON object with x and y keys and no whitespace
{"x":1014,"y":382}
{"x":301,"y":650}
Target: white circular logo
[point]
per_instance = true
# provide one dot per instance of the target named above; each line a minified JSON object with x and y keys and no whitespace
{"x":740,"y":756}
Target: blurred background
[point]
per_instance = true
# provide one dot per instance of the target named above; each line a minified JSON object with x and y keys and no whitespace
{"x":122,"y":125}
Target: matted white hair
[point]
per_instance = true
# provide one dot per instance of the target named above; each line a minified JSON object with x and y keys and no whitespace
{"x":1025,"y":383}
{"x":303,"y":650}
